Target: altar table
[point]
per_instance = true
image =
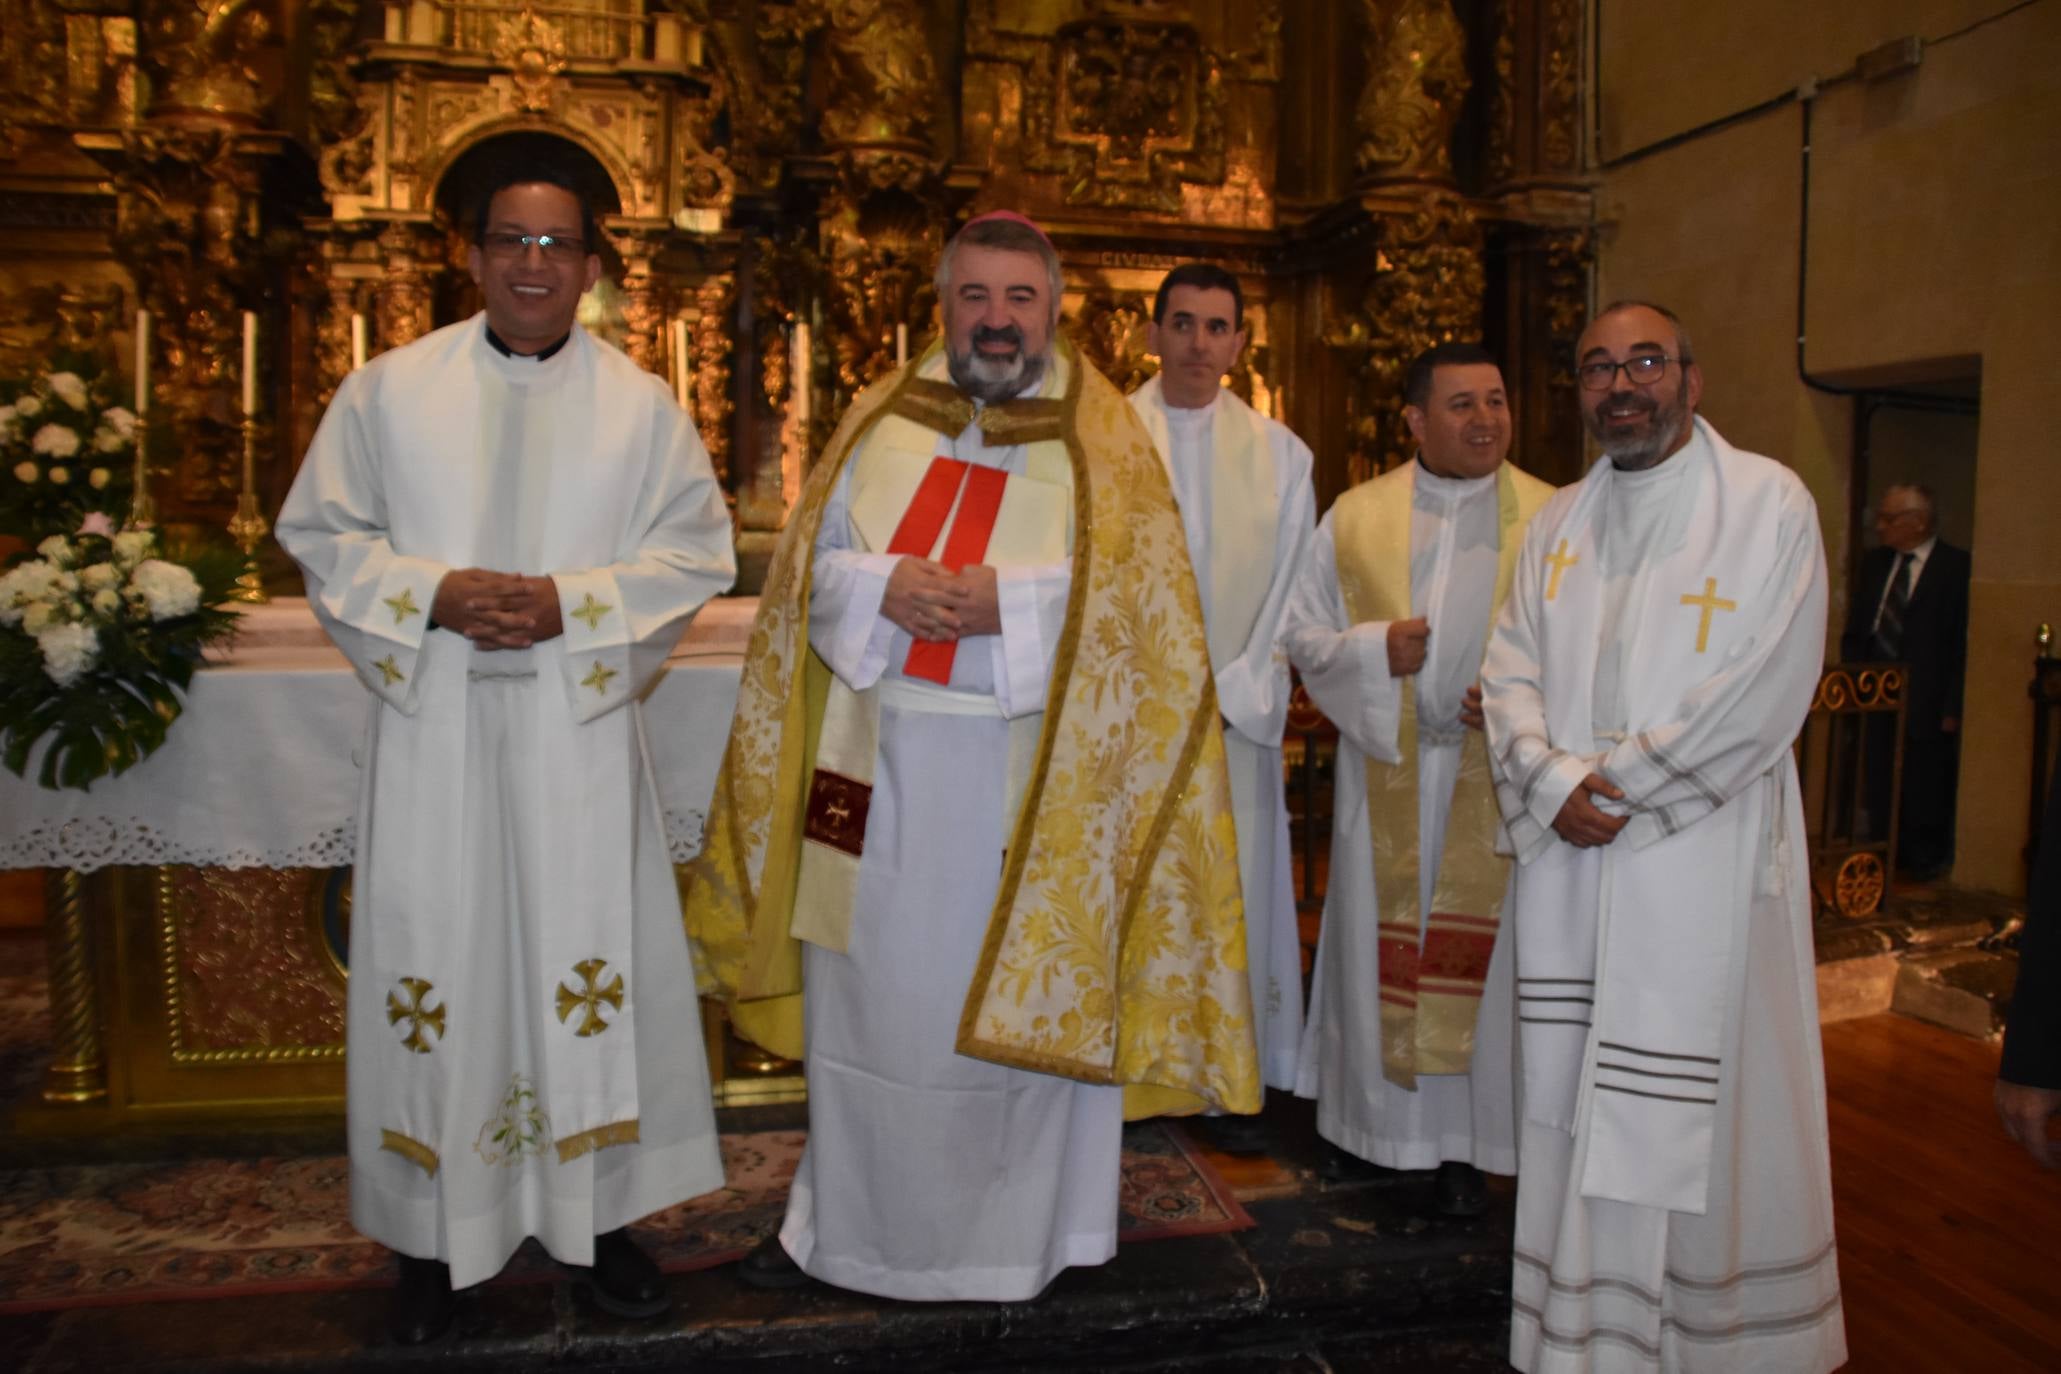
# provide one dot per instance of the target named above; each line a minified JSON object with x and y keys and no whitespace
{"x":198,"y":907}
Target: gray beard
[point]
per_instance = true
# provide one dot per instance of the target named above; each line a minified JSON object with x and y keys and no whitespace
{"x":1640,"y":454}
{"x":992,"y":380}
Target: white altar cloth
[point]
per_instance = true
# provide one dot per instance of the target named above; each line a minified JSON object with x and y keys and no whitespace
{"x":259,"y":769}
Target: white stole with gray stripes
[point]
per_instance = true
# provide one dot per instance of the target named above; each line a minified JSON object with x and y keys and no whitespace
{"x":1630,"y":957}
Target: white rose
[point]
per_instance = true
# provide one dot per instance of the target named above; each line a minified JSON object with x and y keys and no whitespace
{"x":105,"y":440}
{"x":37,"y":616}
{"x":68,"y":387}
{"x":168,"y":588}
{"x":26,"y":471}
{"x":60,"y":475}
{"x":132,"y":547}
{"x":121,"y":420}
{"x":99,"y":576}
{"x":107,"y":602}
{"x":7,"y":424}
{"x":56,"y":441}
{"x":69,"y":652}
{"x":57,"y":549}
{"x":28,"y":407}
{"x":99,"y":478}
{"x":23,"y":586}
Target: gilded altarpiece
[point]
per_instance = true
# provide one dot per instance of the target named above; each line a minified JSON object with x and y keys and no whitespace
{"x":776,"y":179}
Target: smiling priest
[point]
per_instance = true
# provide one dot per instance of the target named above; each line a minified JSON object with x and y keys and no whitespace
{"x":506,"y":526}
{"x":1652,"y":667}
{"x":976,"y":772}
{"x":1388,"y":621}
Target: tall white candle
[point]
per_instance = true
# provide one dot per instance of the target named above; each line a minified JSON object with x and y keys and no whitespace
{"x":801,"y":371}
{"x":901,"y":344}
{"x":680,"y":368}
{"x":142,"y":363}
{"x":250,"y":364}
{"x":357,"y":341}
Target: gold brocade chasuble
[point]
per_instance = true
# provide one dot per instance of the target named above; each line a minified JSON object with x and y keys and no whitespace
{"x":1115,"y":952}
{"x":1433,"y":971}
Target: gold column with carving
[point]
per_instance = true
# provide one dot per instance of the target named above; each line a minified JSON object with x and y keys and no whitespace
{"x":78,"y":1063}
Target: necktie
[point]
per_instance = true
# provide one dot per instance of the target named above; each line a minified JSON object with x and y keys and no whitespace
{"x":1889,"y":625}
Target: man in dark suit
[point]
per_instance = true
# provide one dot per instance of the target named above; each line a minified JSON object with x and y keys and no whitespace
{"x":1911,"y":605}
{"x":2028,"y":1088}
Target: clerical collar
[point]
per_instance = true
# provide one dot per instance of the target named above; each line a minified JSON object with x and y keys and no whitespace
{"x":500,"y":345}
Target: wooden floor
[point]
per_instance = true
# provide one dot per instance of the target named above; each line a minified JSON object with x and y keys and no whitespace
{"x":1949,"y":1235}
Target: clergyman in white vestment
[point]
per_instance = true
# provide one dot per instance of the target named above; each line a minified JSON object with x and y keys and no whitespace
{"x":1243,"y":483}
{"x":1652,"y":666}
{"x":506,"y":526}
{"x":967,"y":808}
{"x":1387,"y":623}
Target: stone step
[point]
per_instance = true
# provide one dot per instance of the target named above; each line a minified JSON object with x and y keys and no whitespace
{"x":1966,"y":989}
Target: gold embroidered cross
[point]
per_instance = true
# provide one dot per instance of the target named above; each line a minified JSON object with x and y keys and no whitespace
{"x":415,"y":1013}
{"x":403,"y":605}
{"x":1561,"y":561}
{"x":598,"y":679}
{"x":1709,"y":601}
{"x":591,"y":611}
{"x":390,"y":670}
{"x":838,"y":812}
{"x":590,"y":997}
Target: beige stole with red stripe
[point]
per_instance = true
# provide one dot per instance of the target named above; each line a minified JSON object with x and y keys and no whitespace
{"x":1431,"y":982}
{"x":906,"y":499}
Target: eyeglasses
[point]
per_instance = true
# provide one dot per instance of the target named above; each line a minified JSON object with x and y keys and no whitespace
{"x":1643,"y":370}
{"x":555,"y":247}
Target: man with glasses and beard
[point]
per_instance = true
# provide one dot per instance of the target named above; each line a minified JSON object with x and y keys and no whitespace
{"x":506,"y":526}
{"x":1653,"y":664}
{"x":975,"y":811}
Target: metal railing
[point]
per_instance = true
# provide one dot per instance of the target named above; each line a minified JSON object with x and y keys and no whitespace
{"x":1850,"y":757}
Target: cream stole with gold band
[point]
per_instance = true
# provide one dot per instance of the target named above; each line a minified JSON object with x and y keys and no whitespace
{"x":1431,"y":984}
{"x":1244,"y":511}
{"x":1033,"y":525}
{"x":1115,"y":951}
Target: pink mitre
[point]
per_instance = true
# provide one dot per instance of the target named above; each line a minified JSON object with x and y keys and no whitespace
{"x":1014,"y":218}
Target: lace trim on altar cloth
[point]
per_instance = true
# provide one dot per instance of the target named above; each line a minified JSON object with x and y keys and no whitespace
{"x":90,"y":843}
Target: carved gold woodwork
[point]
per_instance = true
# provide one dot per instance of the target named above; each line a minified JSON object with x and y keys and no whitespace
{"x":1425,"y":288}
{"x":204,"y":56}
{"x":1110,"y":328}
{"x":413,"y":255}
{"x":1415,"y":82}
{"x":246,"y":976}
{"x":709,"y":350}
{"x":882,"y":83}
{"x":189,"y":228}
{"x":1535,"y":119}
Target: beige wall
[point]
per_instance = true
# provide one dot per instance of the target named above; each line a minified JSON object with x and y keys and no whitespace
{"x":1935,"y":241}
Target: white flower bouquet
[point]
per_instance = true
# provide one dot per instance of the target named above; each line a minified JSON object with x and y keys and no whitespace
{"x":96,"y":633}
{"x":67,"y":451}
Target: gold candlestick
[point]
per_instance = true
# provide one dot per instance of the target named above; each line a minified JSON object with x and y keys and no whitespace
{"x":249,"y":527}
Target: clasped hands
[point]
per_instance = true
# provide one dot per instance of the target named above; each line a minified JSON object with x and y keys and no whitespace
{"x":497,"y":610}
{"x":1581,"y":822}
{"x":931,"y":602}
{"x":1409,"y":644}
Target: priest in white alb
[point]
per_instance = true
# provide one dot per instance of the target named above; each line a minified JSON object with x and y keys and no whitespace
{"x":974,"y":812}
{"x":1243,"y":484}
{"x":506,"y":526}
{"x":1408,"y":1048}
{"x":1652,"y":667}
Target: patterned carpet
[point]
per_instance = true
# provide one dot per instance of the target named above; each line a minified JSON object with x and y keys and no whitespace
{"x":96,"y":1234}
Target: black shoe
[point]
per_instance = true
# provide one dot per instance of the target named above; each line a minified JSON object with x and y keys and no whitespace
{"x":1335,"y":1165}
{"x":422,"y":1303}
{"x":624,"y":1281}
{"x":770,"y":1266}
{"x":1234,"y":1135}
{"x":1460,"y":1189}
